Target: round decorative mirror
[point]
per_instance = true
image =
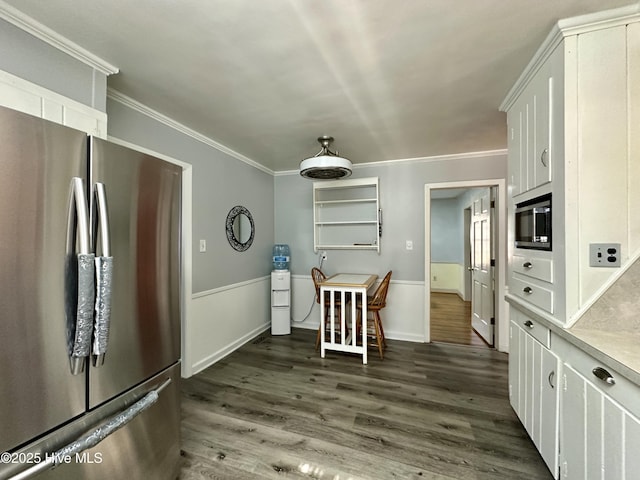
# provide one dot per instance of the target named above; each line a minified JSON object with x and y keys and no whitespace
{"x":240,"y":228}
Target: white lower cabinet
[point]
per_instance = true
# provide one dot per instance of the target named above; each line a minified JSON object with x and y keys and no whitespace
{"x":533,"y":373}
{"x":583,"y":416}
{"x":599,"y":437}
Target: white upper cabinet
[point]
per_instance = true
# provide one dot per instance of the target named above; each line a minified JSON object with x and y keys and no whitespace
{"x":540,"y":159}
{"x":572,"y":119}
{"x":530,"y":133}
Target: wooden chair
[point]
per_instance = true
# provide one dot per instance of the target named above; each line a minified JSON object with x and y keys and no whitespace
{"x":375,"y":303}
{"x":318,"y":277}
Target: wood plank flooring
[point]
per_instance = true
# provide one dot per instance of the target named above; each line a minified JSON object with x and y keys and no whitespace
{"x":451,"y":320}
{"x":275,"y":409}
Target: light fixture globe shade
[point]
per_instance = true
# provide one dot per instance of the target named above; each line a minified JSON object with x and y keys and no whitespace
{"x":325,"y":167}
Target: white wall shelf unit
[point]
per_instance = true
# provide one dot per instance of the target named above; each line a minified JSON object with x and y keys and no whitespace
{"x":346,"y":214}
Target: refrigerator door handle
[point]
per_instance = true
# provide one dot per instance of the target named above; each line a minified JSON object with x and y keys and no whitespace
{"x":81,"y":278}
{"x":100,"y":216}
{"x":94,"y":437}
{"x":104,"y":274}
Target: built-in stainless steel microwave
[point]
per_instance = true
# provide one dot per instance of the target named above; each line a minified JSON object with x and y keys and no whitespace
{"x":533,"y":223}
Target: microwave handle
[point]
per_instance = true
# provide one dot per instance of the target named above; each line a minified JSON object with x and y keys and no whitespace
{"x":534,"y":229}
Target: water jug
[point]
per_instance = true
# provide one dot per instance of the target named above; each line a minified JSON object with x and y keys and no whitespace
{"x":281,"y":257}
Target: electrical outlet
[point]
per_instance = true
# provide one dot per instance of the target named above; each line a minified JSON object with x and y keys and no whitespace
{"x":604,"y":254}
{"x":435,"y":278}
{"x":323,"y":255}
{"x":203,"y":246}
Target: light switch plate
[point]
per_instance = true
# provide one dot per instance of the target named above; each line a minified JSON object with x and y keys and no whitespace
{"x":604,"y":255}
{"x":203,"y":246}
{"x":409,"y":244}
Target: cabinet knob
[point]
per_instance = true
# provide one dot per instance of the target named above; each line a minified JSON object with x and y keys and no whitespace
{"x":528,"y":323}
{"x":543,"y":157}
{"x":603,"y":375}
{"x":527,"y":290}
{"x":527,"y":265}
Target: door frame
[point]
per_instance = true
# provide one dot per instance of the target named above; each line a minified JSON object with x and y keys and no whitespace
{"x":466,"y":251}
{"x":501,"y":330}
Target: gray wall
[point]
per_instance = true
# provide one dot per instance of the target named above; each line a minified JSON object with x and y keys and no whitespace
{"x":447,"y":231}
{"x":220,"y":182}
{"x":402,"y":201}
{"x":29,"y":58}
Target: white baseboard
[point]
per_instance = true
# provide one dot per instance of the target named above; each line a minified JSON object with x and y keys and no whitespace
{"x":228,"y":349}
{"x":449,"y":290}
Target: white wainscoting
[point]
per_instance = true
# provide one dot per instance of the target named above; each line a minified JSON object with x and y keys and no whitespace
{"x":447,"y":278}
{"x":26,"y":97}
{"x":224,"y":319}
{"x":403,"y":317}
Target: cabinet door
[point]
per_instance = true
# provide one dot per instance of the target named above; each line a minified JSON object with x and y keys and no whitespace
{"x":549,"y":400}
{"x":632,"y":442}
{"x":514,"y":145}
{"x":515,"y":350}
{"x":529,"y":135}
{"x":541,"y":155}
{"x":572,"y":427}
{"x":533,"y":374}
{"x":599,"y":438}
{"x":613,"y":446}
{"x":534,"y":396}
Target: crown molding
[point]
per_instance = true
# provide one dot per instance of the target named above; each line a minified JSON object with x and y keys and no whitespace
{"x":40,"y":31}
{"x":159,"y":117}
{"x":435,"y":158}
{"x":600,"y":20}
{"x":565,"y":28}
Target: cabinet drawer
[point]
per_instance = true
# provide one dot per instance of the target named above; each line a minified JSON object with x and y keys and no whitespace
{"x":540,"y":268}
{"x":532,"y":327}
{"x":623,"y":391}
{"x":539,"y":296}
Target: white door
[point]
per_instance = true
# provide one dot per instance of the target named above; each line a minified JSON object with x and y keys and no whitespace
{"x":482,"y":278}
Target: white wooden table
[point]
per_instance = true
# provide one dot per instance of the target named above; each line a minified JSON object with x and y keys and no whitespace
{"x":337,"y":287}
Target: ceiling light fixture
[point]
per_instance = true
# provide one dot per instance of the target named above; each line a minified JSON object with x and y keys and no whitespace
{"x":325,"y":165}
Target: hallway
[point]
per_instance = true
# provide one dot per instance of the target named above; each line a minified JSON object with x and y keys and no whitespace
{"x":451,"y":320}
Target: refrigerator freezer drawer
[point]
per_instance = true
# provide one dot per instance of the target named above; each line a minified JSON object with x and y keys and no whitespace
{"x":147,"y":447}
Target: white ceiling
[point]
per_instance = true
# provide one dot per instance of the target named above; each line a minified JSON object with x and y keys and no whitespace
{"x":389,"y":79}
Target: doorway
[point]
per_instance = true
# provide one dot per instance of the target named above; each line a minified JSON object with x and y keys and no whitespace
{"x":466,"y":277}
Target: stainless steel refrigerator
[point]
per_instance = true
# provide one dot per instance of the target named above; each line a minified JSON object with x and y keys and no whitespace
{"x":89,"y":306}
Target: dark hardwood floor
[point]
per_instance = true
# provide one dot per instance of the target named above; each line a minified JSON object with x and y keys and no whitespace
{"x":451,"y":320}
{"x":275,"y":409}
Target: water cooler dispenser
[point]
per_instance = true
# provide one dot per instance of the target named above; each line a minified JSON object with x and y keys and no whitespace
{"x":280,"y":291}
